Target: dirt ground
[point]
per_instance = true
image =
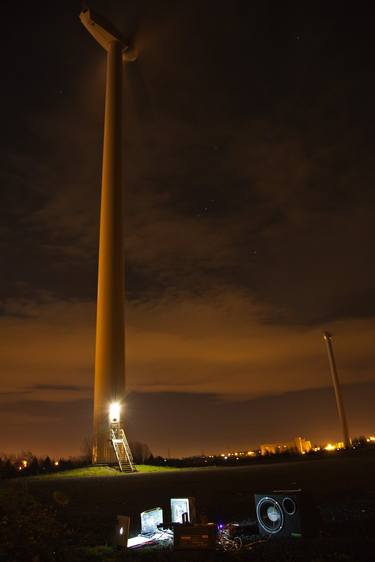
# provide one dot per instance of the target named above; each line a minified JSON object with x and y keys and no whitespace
{"x":343,"y":487}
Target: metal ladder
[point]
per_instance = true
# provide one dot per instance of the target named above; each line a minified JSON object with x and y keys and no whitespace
{"x":122,"y":450}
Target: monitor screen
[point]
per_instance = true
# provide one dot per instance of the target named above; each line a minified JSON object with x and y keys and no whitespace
{"x":150,"y":520}
{"x":179,"y":506}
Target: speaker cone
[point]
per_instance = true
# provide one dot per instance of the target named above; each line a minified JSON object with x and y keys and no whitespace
{"x":270,"y":515}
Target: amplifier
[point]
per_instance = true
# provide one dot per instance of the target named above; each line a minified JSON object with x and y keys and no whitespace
{"x":194,"y":537}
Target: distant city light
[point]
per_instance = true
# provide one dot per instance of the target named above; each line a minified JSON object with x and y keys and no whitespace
{"x":299,"y":445}
{"x":334,"y":446}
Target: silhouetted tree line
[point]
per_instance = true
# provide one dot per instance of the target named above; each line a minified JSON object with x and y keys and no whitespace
{"x":27,"y":464}
{"x":141,"y":451}
{"x":30,"y":465}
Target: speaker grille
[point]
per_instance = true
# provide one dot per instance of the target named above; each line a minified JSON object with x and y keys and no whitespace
{"x":270,"y":515}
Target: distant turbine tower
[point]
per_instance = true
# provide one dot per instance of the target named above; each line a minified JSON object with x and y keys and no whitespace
{"x":336,"y":385}
{"x":109,"y":388}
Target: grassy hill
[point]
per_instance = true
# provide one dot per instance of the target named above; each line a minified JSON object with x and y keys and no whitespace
{"x":100,"y":471}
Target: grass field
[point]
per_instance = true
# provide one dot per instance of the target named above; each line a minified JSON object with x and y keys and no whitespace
{"x":343,"y":487}
{"x":99,"y":471}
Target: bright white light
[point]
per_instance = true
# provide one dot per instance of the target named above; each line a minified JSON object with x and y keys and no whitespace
{"x":179,"y":506}
{"x":114,"y":412}
{"x":121,"y":530}
{"x":150,"y":520}
{"x":137,"y":541}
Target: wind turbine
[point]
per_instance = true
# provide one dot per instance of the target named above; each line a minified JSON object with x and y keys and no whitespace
{"x":109,"y":386}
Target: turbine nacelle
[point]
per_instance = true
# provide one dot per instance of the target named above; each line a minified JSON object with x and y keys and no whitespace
{"x":105,"y":33}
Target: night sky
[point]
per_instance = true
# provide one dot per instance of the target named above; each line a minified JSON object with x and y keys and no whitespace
{"x":249,"y":187}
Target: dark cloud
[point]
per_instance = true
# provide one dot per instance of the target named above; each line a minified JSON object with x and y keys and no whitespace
{"x":220,"y":343}
{"x":15,"y":393}
{"x":249,"y":197}
{"x":44,"y":408}
{"x":64,"y":387}
{"x":241,"y":164}
{"x":37,"y":387}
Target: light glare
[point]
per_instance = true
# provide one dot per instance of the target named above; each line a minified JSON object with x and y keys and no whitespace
{"x":114,"y":412}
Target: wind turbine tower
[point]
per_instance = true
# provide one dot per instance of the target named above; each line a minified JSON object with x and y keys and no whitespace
{"x":109,"y":443}
{"x":336,"y":385}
